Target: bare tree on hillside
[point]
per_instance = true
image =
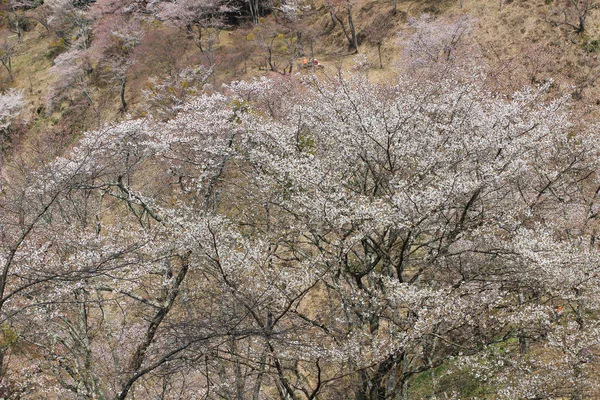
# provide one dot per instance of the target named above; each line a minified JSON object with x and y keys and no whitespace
{"x":7,"y":52}
{"x":376,"y":34}
{"x":573,"y":13}
{"x":341,"y":10}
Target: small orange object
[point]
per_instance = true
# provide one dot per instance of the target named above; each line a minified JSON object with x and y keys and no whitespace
{"x":304,"y":61}
{"x":559,"y":309}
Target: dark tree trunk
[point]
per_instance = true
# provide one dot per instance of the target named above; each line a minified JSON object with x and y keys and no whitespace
{"x":123,"y":102}
{"x":354,"y":41}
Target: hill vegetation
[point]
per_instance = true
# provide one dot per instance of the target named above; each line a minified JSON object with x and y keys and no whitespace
{"x":348,"y":199}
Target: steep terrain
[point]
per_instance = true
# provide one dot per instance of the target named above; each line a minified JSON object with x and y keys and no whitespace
{"x":191,"y":207}
{"x":526,"y":42}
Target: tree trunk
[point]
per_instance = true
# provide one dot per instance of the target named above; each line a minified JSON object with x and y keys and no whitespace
{"x":8,"y":65}
{"x":18,"y":27}
{"x":139,"y":355}
{"x":199,"y":44}
{"x":299,"y":45}
{"x":240,"y":379}
{"x":254,"y":11}
{"x":581,"y":27}
{"x":259,"y":377}
{"x":523,"y":340}
{"x":352,"y":29}
{"x":17,"y":23}
{"x":379,"y":386}
{"x":123,"y":102}
{"x":270,"y":57}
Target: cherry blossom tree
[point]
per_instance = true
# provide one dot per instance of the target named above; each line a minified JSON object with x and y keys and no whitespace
{"x":410,"y":291}
{"x":67,"y":21}
{"x":72,"y":69}
{"x":114,"y":50}
{"x":202,"y":20}
{"x":435,"y":47}
{"x":325,"y":239}
{"x":11,"y":104}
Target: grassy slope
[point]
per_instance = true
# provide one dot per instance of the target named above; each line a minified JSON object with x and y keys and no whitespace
{"x":522,"y":27}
